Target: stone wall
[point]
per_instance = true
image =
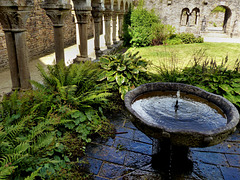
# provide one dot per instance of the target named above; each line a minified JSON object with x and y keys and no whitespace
{"x":40,"y":37}
{"x":3,"y":50}
{"x":170,"y":11}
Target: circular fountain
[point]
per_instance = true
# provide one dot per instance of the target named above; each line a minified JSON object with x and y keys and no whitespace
{"x":179,"y":116}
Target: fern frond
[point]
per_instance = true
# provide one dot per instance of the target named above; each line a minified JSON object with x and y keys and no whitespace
{"x":42,"y":141}
{"x":13,"y":159}
{"x":38,"y":130}
{"x":6,"y":171}
{"x":33,"y":175}
{"x":21,"y":148}
{"x":38,"y":85}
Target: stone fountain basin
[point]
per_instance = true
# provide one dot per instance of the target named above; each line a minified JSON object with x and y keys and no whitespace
{"x":181,"y":137}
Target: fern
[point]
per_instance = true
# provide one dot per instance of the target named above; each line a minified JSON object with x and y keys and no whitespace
{"x":33,"y":175}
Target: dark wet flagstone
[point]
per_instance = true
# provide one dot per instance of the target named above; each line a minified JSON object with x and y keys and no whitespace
{"x":128,"y":156}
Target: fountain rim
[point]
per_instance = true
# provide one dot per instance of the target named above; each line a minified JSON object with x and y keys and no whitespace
{"x":232,"y":114}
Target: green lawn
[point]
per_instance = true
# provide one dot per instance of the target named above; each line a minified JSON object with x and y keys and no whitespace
{"x":182,"y":54}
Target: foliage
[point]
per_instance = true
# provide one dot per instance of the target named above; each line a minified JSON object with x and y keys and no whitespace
{"x":207,"y":75}
{"x":35,"y":125}
{"x":188,"y":38}
{"x":123,"y":71}
{"x":219,"y":9}
{"x":140,"y":30}
{"x":126,"y":24}
{"x":162,"y":33}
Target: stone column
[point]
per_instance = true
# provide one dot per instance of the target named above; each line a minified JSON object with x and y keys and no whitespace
{"x":107,"y":19}
{"x":114,"y":29}
{"x":97,"y":16}
{"x":57,"y":12}
{"x":120,"y":25}
{"x":12,"y":59}
{"x":13,"y":19}
{"x":82,"y":21}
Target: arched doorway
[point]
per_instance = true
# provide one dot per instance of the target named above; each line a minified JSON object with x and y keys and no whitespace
{"x":219,"y":19}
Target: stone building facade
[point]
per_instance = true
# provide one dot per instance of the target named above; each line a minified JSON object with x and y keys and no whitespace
{"x":197,"y":16}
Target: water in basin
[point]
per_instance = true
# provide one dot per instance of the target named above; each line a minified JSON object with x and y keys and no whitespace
{"x":193,"y":113}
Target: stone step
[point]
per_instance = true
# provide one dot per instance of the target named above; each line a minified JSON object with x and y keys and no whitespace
{"x":219,"y":34}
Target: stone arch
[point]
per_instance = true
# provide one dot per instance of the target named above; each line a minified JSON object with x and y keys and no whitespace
{"x":219,"y":18}
{"x":126,"y":6}
{"x":108,"y":4}
{"x":195,"y":16}
{"x":185,"y":16}
{"x":121,"y":8}
{"x":115,"y":5}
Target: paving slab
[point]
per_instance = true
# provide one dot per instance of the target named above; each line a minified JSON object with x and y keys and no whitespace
{"x":129,"y":156}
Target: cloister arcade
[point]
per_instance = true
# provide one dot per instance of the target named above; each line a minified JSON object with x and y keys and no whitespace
{"x":14,"y":14}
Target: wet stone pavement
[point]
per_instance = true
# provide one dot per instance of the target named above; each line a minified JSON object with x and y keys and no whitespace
{"x":129,"y":156}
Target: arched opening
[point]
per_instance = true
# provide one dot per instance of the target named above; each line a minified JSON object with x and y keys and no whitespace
{"x":195,"y":14}
{"x":219,"y":18}
{"x":185,"y":17}
{"x":126,"y":7}
{"x":121,"y":6}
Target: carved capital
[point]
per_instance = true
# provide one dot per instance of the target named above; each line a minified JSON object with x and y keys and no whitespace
{"x":82,"y":16}
{"x":107,"y":15}
{"x":56,"y":16}
{"x":12,"y":19}
{"x":97,"y":16}
{"x":114,"y":16}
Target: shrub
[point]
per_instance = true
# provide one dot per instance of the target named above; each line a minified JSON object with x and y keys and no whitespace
{"x":161,"y":33}
{"x":141,"y":27}
{"x":173,"y":40}
{"x":188,"y":38}
{"x":126,"y":24}
{"x":123,"y":71}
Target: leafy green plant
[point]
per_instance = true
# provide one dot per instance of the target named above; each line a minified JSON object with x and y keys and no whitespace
{"x":122,"y":71}
{"x":188,"y":38}
{"x":126,"y":24}
{"x":161,"y":33}
{"x":141,"y":26}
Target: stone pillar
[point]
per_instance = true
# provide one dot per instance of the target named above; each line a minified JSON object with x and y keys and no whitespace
{"x":107,"y":19}
{"x":114,"y":28}
{"x":82,"y":21}
{"x":97,"y":16}
{"x":13,"y":19}
{"x":57,"y":12}
{"x":120,"y":25}
{"x":12,"y":58}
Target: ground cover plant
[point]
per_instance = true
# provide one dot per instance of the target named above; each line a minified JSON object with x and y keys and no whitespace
{"x":36,"y":126}
{"x":122,"y":72}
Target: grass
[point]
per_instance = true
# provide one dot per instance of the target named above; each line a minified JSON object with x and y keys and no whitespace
{"x":184,"y":53}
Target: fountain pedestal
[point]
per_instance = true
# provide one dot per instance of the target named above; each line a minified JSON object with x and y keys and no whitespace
{"x":167,"y":157}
